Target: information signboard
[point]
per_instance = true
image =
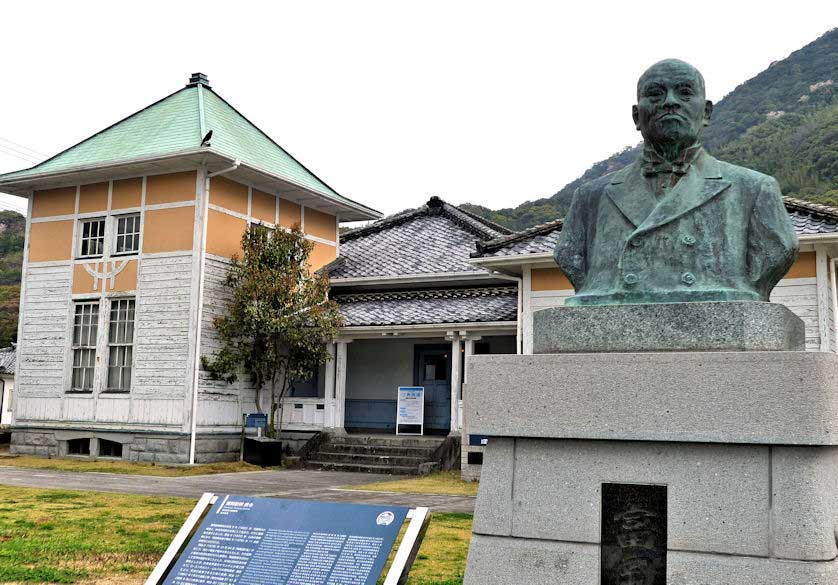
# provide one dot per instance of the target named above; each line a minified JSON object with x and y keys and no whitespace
{"x":256,"y":420}
{"x":410,"y":411}
{"x":264,"y":541}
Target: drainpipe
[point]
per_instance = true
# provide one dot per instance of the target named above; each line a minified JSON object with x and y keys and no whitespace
{"x":519,"y":341}
{"x":196,"y":367}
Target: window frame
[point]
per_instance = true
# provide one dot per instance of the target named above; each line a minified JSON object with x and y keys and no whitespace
{"x":137,"y":217}
{"x":128,"y":344}
{"x":90,"y":348}
{"x":81,"y":238}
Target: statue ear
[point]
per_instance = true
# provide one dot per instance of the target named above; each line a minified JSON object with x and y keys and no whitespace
{"x":708,"y":111}
{"x":635,"y":114}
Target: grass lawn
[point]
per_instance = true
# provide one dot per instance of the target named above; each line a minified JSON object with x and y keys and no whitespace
{"x":57,"y":536}
{"x":126,"y":467}
{"x":445,"y":482}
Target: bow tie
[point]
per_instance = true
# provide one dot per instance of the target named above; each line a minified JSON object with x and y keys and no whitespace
{"x":651,"y":168}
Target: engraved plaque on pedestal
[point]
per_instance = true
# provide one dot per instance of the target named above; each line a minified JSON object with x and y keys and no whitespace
{"x":633,"y":534}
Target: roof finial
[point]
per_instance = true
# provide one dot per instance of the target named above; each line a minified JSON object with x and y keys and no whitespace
{"x":198,"y":79}
{"x":435,"y":205}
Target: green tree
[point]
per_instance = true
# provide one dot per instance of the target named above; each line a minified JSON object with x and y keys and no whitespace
{"x":278,"y":320}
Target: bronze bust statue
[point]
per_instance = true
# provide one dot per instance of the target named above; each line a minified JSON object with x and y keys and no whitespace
{"x":677,"y":225}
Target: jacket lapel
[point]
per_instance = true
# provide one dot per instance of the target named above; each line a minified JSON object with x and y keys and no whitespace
{"x":629,"y":191}
{"x":701,"y":184}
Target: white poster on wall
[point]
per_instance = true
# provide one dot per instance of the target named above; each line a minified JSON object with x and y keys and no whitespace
{"x":410,"y":411}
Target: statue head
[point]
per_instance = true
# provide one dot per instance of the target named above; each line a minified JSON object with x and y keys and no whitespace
{"x":671,"y":108}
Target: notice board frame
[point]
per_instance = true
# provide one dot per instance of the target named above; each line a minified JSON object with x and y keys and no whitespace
{"x":419,"y":518}
{"x":421,"y":423}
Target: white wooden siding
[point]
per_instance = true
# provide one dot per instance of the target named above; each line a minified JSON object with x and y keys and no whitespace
{"x":801,"y":296}
{"x":37,"y":408}
{"x":157,"y":411}
{"x":162,"y":340}
{"x":113,"y":409}
{"x":43,"y":341}
{"x":219,"y":403}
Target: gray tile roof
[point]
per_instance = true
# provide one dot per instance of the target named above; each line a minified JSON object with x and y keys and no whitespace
{"x":808,"y":218}
{"x":434,"y":238}
{"x":463,"y":305}
{"x":8,"y":357}
{"x":534,"y":240}
{"x":812,"y":218}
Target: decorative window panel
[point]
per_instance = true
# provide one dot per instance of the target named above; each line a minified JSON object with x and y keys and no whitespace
{"x":127,"y":234}
{"x":92,"y":241}
{"x":120,"y":344}
{"x":85,"y":329}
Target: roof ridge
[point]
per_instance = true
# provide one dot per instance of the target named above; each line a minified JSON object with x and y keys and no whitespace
{"x":100,"y":132}
{"x":464,"y":219}
{"x":536,"y":230}
{"x":819,"y":208}
{"x":487,"y":222}
{"x":427,"y":293}
{"x":380,"y":224}
{"x":478,"y":226}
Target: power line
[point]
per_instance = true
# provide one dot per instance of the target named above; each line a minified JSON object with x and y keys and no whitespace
{"x":18,"y":154}
{"x":17,"y":144}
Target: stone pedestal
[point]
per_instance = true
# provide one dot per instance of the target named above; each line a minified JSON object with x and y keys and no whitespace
{"x":745,"y":443}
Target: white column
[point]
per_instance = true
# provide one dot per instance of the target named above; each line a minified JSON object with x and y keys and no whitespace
{"x":526,"y":324}
{"x":329,"y":389}
{"x":340,"y":385}
{"x":824,"y":300}
{"x":456,"y":356}
{"x":469,"y":351}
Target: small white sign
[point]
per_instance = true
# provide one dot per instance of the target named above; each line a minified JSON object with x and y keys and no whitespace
{"x":410,"y":409}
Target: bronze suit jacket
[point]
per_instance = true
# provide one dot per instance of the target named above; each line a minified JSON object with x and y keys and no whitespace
{"x":721,"y":233}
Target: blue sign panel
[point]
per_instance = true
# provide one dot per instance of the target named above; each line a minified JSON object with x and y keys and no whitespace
{"x":257,"y":420}
{"x":264,"y":541}
{"x":478,"y":440}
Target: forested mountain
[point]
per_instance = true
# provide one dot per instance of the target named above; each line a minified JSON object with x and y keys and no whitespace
{"x":783,"y":122}
{"x":12,"y":230}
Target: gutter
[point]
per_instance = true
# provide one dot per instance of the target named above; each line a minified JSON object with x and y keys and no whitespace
{"x":196,"y":366}
{"x":68,"y":172}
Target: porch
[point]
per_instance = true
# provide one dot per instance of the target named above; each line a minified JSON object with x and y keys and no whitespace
{"x":356,"y":391}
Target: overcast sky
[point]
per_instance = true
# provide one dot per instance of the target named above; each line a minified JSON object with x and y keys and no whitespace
{"x":388,"y":102}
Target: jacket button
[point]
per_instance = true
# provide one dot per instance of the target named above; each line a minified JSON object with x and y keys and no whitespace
{"x":688,"y":278}
{"x":688,"y":240}
{"x":636,"y":243}
{"x":630,"y":278}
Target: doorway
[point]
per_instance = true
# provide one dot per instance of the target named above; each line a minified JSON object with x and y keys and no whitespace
{"x":432,"y":370}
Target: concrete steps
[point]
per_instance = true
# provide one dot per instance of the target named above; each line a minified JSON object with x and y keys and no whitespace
{"x":376,"y":454}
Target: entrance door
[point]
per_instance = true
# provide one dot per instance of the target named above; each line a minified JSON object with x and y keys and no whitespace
{"x":433,"y":371}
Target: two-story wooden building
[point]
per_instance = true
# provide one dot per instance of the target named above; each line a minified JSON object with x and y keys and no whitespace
{"x":127,"y":238}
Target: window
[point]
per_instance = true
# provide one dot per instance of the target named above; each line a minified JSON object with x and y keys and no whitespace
{"x":120,"y":344}
{"x":78,"y":447}
{"x":92,"y":237}
{"x":110,"y":449}
{"x":127,"y":234}
{"x":261,"y":229}
{"x":85,"y":328}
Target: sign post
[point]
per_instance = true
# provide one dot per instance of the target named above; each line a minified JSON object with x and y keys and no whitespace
{"x":240,"y":540}
{"x":410,"y":411}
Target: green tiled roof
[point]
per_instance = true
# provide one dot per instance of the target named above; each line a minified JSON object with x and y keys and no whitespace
{"x":173,"y":124}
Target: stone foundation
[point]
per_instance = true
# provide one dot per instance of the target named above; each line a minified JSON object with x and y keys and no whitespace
{"x":142,"y":447}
